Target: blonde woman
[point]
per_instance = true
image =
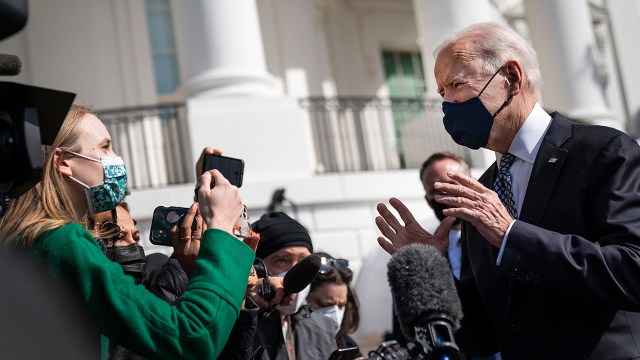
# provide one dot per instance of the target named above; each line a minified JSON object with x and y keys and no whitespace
{"x":82,"y":175}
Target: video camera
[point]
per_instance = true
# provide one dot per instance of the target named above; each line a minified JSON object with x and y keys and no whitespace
{"x":419,"y":349}
{"x":29,"y":116}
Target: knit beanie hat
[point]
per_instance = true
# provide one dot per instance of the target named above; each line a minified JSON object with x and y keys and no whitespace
{"x":278,"y":231}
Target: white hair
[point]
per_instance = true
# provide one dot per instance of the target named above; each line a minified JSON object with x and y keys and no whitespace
{"x":495,"y":44}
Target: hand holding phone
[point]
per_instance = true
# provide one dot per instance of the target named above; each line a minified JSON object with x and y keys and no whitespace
{"x":164,"y":218}
{"x":186,"y":241}
{"x":200,"y":162}
{"x":220,"y":206}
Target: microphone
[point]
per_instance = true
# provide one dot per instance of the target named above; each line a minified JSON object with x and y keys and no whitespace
{"x":425,"y":300}
{"x":301,"y":274}
{"x":298,"y":277}
{"x":10,"y":65}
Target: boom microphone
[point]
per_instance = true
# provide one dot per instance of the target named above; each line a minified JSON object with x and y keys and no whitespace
{"x":426,"y":300}
{"x":298,"y":277}
{"x":10,"y":65}
{"x":301,"y":274}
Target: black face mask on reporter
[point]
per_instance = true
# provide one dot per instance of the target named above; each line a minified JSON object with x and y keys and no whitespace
{"x":131,"y":258}
{"x":469,"y":122}
{"x":438,"y":209}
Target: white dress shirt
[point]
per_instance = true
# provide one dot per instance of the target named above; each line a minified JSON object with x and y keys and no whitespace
{"x":524,"y":147}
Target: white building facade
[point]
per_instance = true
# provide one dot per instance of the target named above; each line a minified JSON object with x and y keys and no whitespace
{"x":332,"y":100}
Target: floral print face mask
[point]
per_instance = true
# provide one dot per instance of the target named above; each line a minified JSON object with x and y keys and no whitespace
{"x":111,"y":192}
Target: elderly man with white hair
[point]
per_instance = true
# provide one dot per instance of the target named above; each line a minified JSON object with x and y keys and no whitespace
{"x":551,"y":231}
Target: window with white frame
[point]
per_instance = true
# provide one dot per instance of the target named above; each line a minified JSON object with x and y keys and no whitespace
{"x":163,"y":46}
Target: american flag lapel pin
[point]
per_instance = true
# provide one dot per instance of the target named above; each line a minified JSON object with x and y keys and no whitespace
{"x":552,"y":160}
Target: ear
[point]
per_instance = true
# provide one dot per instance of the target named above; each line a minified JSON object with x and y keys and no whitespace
{"x":514,"y":76}
{"x":61,"y":163}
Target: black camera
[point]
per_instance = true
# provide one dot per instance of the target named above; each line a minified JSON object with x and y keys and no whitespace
{"x":29,"y":116}
{"x":389,"y":350}
{"x":419,"y":349}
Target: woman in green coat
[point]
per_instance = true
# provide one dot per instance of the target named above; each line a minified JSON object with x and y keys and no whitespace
{"x":82,"y":175}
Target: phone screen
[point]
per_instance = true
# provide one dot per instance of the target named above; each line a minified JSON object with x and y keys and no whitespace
{"x":164,"y":218}
{"x":230,"y":168}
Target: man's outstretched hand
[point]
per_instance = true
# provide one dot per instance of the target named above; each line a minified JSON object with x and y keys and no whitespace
{"x":397,"y":235}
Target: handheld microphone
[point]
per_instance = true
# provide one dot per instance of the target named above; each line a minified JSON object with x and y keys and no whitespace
{"x":10,"y":65}
{"x":425,"y":300}
{"x":298,"y":277}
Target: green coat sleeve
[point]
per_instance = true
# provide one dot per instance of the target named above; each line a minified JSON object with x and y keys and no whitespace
{"x":197,"y":327}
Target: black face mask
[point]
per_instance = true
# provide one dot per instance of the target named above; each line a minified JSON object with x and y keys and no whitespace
{"x":469,"y":122}
{"x":438,"y":209}
{"x":131,"y":258}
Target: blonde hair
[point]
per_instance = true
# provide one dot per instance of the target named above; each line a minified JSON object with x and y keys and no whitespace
{"x":47,"y":205}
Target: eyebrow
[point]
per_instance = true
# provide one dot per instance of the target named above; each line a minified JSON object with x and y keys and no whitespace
{"x":459,"y":77}
{"x":454,"y":78}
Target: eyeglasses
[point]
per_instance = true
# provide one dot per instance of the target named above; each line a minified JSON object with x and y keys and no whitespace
{"x":326,"y":264}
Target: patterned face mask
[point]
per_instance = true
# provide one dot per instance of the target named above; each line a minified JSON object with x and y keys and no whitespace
{"x":110,"y":193}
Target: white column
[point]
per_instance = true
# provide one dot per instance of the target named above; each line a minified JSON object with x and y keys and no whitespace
{"x":625,"y":27}
{"x":562,"y":34}
{"x":437,"y":19}
{"x":232,"y":102}
{"x":220,"y":48}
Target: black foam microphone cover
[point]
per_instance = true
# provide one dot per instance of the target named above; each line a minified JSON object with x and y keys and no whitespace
{"x":10,"y":65}
{"x":298,"y":278}
{"x":301,"y":274}
{"x":422,"y":285}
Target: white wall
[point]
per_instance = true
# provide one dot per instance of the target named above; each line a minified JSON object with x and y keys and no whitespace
{"x":295,"y":46}
{"x":97,"y":49}
{"x":358,"y":32}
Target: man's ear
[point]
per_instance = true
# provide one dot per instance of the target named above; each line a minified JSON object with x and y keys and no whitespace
{"x":61,"y":163}
{"x":514,"y":77}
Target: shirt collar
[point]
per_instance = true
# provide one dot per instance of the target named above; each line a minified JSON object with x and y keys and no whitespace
{"x":526,"y":143}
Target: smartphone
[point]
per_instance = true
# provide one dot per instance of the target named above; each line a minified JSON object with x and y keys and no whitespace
{"x":231,"y":168}
{"x":344,"y":354}
{"x":164,"y":218}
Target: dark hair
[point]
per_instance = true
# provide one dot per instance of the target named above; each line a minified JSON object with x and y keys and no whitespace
{"x":441,"y":156}
{"x":351,"y":318}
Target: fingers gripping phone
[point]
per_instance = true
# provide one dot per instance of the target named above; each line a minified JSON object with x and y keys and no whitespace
{"x":164,"y":218}
{"x":232,"y":169}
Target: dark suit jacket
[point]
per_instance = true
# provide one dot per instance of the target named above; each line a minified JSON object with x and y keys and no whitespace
{"x":568,"y":286}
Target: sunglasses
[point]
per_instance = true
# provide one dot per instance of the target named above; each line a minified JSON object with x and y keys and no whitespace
{"x":107,"y":230}
{"x":327,"y":264}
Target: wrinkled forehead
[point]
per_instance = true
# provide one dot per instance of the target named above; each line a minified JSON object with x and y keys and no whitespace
{"x":458,"y":59}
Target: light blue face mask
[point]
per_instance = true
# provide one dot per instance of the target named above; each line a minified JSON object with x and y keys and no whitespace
{"x":111,"y":192}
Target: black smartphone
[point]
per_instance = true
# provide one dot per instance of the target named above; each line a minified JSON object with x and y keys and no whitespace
{"x":164,"y":218}
{"x":231,"y":168}
{"x":344,"y":354}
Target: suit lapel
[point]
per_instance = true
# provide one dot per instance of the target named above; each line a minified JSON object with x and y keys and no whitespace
{"x":546,"y":170}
